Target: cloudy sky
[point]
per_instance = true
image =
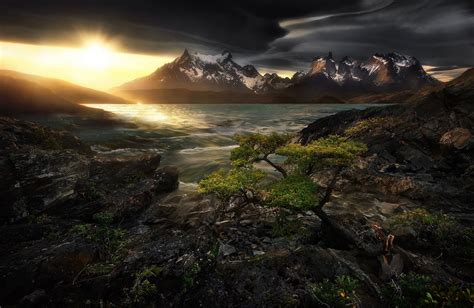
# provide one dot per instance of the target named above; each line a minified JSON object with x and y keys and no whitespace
{"x":273,"y":35}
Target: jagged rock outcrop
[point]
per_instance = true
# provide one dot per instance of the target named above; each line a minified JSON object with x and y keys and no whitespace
{"x":422,"y":150}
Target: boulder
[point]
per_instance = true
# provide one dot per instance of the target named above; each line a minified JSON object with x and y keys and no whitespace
{"x":458,"y":138}
{"x":39,"y":179}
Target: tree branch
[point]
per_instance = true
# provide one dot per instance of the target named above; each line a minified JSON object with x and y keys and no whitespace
{"x":268,"y":161}
{"x":277,"y":167}
{"x":330,"y":188}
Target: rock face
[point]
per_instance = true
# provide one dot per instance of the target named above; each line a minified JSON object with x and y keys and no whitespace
{"x":50,"y":183}
{"x":380,"y":73}
{"x":422,"y":151}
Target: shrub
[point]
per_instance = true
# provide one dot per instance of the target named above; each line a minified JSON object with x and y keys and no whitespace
{"x":144,"y":288}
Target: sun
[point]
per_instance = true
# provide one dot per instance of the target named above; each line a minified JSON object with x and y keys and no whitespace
{"x":96,"y":56}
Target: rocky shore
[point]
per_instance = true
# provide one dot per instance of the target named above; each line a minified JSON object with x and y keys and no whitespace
{"x":83,"y":230}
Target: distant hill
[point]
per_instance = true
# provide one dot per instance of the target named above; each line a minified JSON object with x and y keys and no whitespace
{"x":344,"y":79}
{"x":24,"y":93}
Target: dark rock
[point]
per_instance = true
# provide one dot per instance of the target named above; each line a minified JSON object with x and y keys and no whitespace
{"x":40,"y":179}
{"x":166,"y":179}
{"x":417,"y":150}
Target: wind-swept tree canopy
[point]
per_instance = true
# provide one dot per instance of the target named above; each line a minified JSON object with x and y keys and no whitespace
{"x":295,"y":190}
{"x":331,"y":151}
{"x":226,"y":184}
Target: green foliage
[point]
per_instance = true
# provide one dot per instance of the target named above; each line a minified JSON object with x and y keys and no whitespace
{"x":294,"y":192}
{"x":190,"y":276}
{"x":442,"y":233}
{"x":90,"y":190}
{"x":330,"y":151}
{"x":144,"y":289}
{"x":103,"y":218}
{"x":226,"y":184}
{"x":414,"y":290}
{"x":149,"y":271}
{"x":252,"y":147}
{"x":338,"y":293}
{"x":370,"y":124}
{"x":109,"y":238}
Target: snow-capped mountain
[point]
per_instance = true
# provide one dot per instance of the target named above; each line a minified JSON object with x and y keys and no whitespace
{"x":197,"y":71}
{"x":379,"y":73}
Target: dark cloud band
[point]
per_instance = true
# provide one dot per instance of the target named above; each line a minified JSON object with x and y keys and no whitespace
{"x":275,"y":34}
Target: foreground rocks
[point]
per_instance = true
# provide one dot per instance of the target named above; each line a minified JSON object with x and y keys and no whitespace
{"x":422,"y":151}
{"x":79,"y":229}
{"x":50,"y":183}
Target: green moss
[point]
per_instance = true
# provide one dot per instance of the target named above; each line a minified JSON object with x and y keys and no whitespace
{"x":341,"y":292}
{"x":414,"y":290}
{"x":191,"y":275}
{"x":439,"y":232}
{"x":144,"y":289}
{"x":371,"y":124}
{"x":110,"y":238}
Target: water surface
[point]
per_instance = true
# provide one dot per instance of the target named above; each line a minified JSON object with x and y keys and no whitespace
{"x":197,"y":138}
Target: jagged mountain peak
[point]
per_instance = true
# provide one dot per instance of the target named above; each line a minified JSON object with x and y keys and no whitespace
{"x":219,"y":72}
{"x":325,"y":58}
{"x":323,"y":65}
{"x":195,"y":56}
{"x":198,"y":71}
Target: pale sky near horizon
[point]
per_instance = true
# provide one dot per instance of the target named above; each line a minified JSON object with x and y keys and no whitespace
{"x":96,"y":65}
{"x":103,"y":65}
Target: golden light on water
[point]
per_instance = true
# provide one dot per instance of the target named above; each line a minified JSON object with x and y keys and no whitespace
{"x":99,"y":63}
{"x":141,"y":113}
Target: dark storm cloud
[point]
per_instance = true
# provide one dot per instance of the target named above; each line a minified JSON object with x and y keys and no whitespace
{"x":273,"y":34}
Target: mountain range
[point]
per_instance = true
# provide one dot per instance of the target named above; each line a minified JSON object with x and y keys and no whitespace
{"x":380,"y":73}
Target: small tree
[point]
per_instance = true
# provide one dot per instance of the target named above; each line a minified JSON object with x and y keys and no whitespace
{"x":294,"y":189}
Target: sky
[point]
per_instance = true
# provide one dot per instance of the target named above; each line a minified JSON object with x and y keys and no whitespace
{"x":103,"y":43}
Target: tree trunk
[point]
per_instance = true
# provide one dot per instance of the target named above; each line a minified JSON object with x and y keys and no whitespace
{"x":330,"y":188}
{"x":348,"y":235}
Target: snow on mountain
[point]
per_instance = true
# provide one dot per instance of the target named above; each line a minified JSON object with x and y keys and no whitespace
{"x":196,"y":71}
{"x":390,"y":70}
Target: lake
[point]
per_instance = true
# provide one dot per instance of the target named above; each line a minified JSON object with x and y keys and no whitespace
{"x":195,"y":138}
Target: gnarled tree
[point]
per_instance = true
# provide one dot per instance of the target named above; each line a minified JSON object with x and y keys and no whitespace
{"x":294,"y":189}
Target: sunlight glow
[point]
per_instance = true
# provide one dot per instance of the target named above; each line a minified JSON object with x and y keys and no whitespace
{"x":96,"y":56}
{"x":97,"y":64}
{"x":138,"y":113}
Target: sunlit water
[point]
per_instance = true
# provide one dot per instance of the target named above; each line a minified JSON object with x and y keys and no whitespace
{"x":196,"y":138}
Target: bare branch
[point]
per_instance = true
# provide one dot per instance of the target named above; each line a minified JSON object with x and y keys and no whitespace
{"x":330,"y":188}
